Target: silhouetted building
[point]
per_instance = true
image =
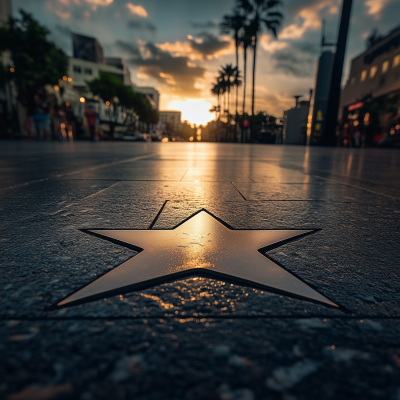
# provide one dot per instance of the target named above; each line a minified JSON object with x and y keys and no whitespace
{"x":375,"y":73}
{"x":170,"y":120}
{"x":87,"y":48}
{"x":319,"y":99}
{"x":295,"y":123}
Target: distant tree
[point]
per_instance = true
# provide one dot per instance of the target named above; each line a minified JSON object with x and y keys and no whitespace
{"x":234,"y":24}
{"x":218,"y":89}
{"x":120,"y":97}
{"x":226,"y":78}
{"x":214,"y":109}
{"x":246,"y":40}
{"x":373,"y":38}
{"x":112,"y":91}
{"x":36,"y":61}
{"x":187,"y":131}
{"x":260,"y":15}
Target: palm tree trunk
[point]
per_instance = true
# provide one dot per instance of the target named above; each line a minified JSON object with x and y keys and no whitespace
{"x":229,"y":91}
{"x":223,"y":111}
{"x":252,"y":127}
{"x":237,"y":90}
{"x":244,"y":90}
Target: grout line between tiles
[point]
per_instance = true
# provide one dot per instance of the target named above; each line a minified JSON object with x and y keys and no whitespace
{"x":360,"y":188}
{"x":184,"y":175}
{"x":100,"y":191}
{"x":158,"y":214}
{"x":76,"y":172}
{"x":200,"y":317}
{"x":238,"y":191}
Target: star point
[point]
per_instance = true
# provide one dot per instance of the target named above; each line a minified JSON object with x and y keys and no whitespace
{"x":201,"y":245}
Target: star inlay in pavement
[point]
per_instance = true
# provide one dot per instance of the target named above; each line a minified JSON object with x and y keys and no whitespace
{"x":202,"y":245}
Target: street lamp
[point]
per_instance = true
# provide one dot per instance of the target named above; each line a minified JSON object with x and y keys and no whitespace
{"x":82,"y":100}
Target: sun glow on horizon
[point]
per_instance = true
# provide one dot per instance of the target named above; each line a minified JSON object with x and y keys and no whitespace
{"x":196,"y":111}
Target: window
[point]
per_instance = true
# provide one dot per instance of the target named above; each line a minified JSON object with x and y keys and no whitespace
{"x":385,"y":67}
{"x":363,"y":75}
{"x":372,"y":71}
{"x":396,"y":60}
{"x":77,"y":69}
{"x":88,"y":71}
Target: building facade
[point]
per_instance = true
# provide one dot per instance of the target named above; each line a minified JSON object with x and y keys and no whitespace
{"x":295,"y":124}
{"x":82,"y":70}
{"x":370,"y":100}
{"x":375,"y":72}
{"x":87,"y":48}
{"x":170,"y":121}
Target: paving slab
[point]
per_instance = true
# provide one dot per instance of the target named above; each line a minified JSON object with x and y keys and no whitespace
{"x":198,"y":337}
{"x":193,"y":358}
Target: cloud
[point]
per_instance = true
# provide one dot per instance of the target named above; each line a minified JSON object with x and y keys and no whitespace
{"x":307,"y":19}
{"x":274,"y":103}
{"x":64,"y":30}
{"x":59,"y":9}
{"x":270,"y":45}
{"x":142,"y":25}
{"x":178,"y":49}
{"x":99,"y":2}
{"x":128,"y":47}
{"x":92,"y":2}
{"x":375,"y":7}
{"x":204,"y":46}
{"x":208,"y":45}
{"x":297,"y":60}
{"x":137,"y":10}
{"x":204,"y":25}
{"x":65,"y":9}
{"x":174,"y":72}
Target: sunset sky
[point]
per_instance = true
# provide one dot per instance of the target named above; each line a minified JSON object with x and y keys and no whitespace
{"x":175,"y":45}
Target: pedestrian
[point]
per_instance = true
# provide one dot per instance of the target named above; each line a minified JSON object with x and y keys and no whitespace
{"x":70,"y":120}
{"x":42,"y":119}
{"x":28,"y":125}
{"x":91,"y":116}
{"x":59,"y":123}
{"x":357,"y":138}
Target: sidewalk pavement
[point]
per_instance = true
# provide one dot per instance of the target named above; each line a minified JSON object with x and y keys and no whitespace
{"x":199,"y":337}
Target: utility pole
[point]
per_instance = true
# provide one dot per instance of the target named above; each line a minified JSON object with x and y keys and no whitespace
{"x":329,"y":133}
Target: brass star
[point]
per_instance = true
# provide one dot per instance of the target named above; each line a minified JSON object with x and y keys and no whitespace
{"x":202,"y":245}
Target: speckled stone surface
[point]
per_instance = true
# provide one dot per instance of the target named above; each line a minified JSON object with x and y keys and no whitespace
{"x":198,"y":338}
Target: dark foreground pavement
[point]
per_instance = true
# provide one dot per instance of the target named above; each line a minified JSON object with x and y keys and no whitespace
{"x":199,"y":338}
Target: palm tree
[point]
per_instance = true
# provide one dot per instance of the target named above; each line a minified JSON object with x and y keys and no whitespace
{"x":214,"y":109}
{"x":260,"y":16}
{"x":236,"y":83}
{"x":233,"y":24}
{"x":216,"y":91}
{"x":226,"y":76}
{"x":246,"y":41}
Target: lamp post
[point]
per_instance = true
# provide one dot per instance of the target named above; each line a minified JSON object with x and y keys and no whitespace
{"x":329,"y":133}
